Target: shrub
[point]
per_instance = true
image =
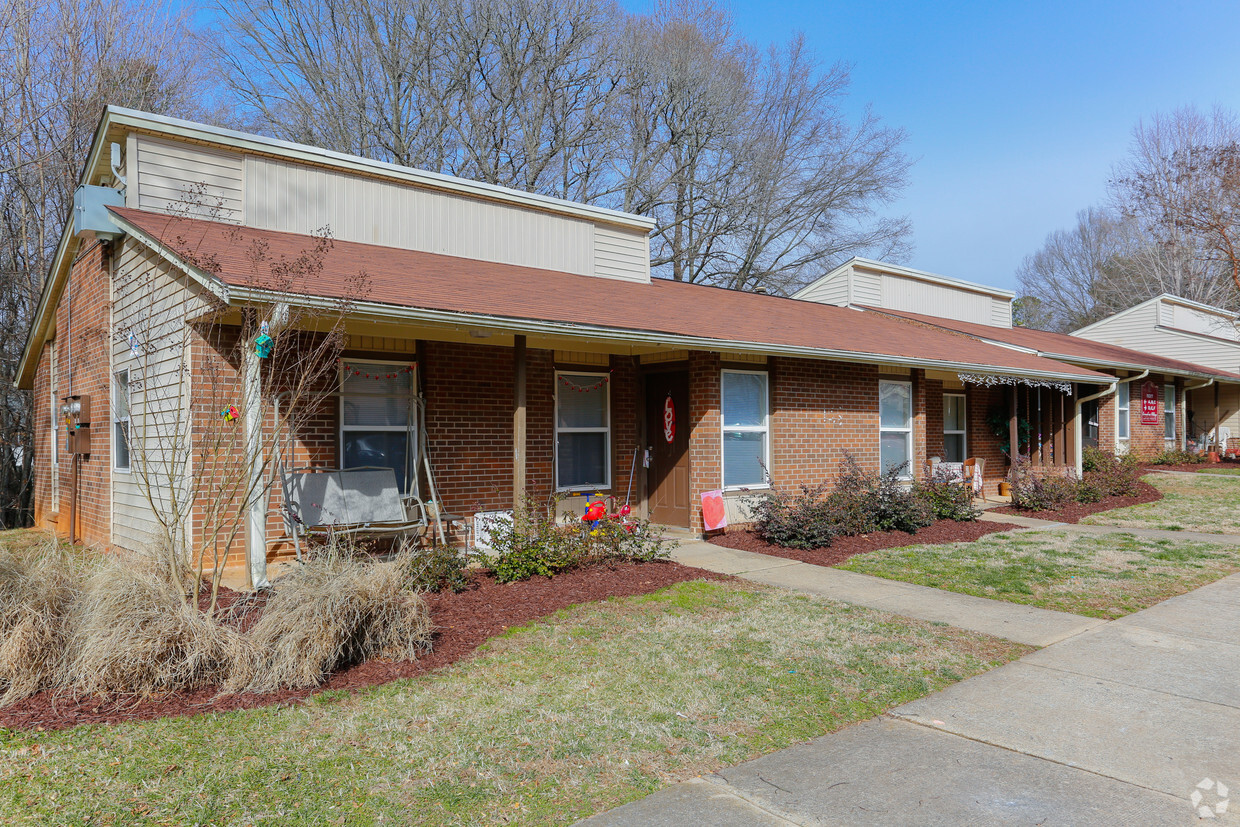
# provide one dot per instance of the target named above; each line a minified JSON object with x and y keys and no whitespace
{"x":948,"y":499}
{"x":435,"y":568}
{"x":636,"y":541}
{"x":36,"y":593}
{"x":532,"y":544}
{"x":1178,"y":458}
{"x":335,"y":610}
{"x":794,"y":520}
{"x":897,"y":506}
{"x":1111,"y":475}
{"x":133,"y":631}
{"x":1034,"y":492}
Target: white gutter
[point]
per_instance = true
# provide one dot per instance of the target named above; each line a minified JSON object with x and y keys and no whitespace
{"x":1110,"y":389}
{"x":388,"y":312}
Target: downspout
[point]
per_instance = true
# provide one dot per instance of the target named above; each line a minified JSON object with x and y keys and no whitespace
{"x":1080,"y":435}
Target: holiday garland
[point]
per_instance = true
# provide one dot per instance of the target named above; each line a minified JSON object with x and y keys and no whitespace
{"x":990,"y":381}
{"x":349,"y":370}
{"x":566,"y":382}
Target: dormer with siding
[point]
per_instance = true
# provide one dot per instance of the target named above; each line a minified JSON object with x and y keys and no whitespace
{"x":866,"y":283}
{"x":1173,"y":327}
{"x":189,"y":169}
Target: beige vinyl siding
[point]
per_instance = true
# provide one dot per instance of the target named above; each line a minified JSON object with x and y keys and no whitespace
{"x":1000,"y":312}
{"x":621,"y":254}
{"x":1129,"y":329}
{"x":187,"y":180}
{"x":833,"y":290}
{"x":295,"y":198}
{"x":1189,"y":348}
{"x":1196,"y":321}
{"x":152,"y":301}
{"x":867,"y":289}
{"x":934,"y":299}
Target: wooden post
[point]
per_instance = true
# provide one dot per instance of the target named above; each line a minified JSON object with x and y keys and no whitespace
{"x":518,"y":422}
{"x":1060,"y":448}
{"x":1013,"y":444}
{"x":1046,"y":444}
{"x":1218,"y":432}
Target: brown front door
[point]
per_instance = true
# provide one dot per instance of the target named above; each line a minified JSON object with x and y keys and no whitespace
{"x":668,"y":476}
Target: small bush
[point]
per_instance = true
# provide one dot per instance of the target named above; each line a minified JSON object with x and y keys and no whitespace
{"x":613,"y":541}
{"x":897,"y":506}
{"x":1111,"y":475}
{"x":533,"y":544}
{"x":133,"y":631}
{"x":335,"y":610}
{"x":1034,"y":492}
{"x":1178,"y":458}
{"x":947,"y":498}
{"x":36,"y":593}
{"x":794,"y":520}
{"x":436,"y":568}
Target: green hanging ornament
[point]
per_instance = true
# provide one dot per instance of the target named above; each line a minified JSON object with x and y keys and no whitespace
{"x":264,"y":343}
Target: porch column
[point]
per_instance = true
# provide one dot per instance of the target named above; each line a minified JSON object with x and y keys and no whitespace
{"x":1013,"y":444}
{"x":518,"y":422}
{"x":1218,"y":431}
{"x":256,"y":509}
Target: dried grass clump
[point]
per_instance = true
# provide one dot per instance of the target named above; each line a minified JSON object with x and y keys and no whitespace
{"x":334,"y":611}
{"x":37,"y":590}
{"x":133,"y":631}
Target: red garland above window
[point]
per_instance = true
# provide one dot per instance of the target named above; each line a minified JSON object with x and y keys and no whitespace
{"x":352,"y":371}
{"x":582,"y":388}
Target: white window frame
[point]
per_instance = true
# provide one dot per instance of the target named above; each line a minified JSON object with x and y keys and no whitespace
{"x":1123,"y":413}
{"x":764,"y":429}
{"x":604,"y":430}
{"x":908,"y":472}
{"x":53,"y":387}
{"x":1169,"y":411}
{"x":964,"y":432}
{"x":376,"y":429}
{"x":118,"y":420}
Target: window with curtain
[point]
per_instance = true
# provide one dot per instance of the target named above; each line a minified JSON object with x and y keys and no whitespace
{"x":895,"y":422}
{"x":120,"y":421}
{"x":376,"y":417}
{"x":1169,"y":412}
{"x":582,"y":431}
{"x":746,"y":431}
{"x":1121,"y":412}
{"x":953,"y":427}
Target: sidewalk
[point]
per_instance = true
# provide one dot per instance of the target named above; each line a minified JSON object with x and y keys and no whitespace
{"x":1115,"y":723}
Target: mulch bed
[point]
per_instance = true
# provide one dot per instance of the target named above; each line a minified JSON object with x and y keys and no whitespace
{"x":1191,"y":466}
{"x":1073,"y":512}
{"x":463,"y":622}
{"x":942,"y":531}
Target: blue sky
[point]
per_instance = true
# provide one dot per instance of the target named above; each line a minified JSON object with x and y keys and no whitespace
{"x":1016,"y":112}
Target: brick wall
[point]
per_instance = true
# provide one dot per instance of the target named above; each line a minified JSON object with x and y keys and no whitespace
{"x":83,"y":321}
{"x":705,"y":439}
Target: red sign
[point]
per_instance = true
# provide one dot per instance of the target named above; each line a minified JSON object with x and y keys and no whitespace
{"x":669,"y":419}
{"x":1149,"y":403}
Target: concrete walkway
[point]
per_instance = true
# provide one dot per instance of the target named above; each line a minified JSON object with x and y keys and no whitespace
{"x":1117,"y":723}
{"x":1023,"y":624}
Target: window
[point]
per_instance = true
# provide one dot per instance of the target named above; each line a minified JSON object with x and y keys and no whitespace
{"x":1121,"y":412}
{"x":743,"y":407}
{"x":120,"y":421}
{"x":582,"y":431}
{"x":953,"y":427}
{"x":895,"y":422}
{"x":377,"y":426}
{"x":1169,"y":412}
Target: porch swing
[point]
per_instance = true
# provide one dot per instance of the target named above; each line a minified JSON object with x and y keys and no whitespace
{"x":364,"y":501}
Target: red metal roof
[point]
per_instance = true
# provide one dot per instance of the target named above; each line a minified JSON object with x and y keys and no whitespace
{"x":250,"y":257}
{"x":1063,"y":346}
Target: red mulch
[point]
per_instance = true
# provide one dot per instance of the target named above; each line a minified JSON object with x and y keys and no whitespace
{"x":463,"y":622}
{"x":1191,"y":466}
{"x":941,"y":531}
{"x":1073,"y":512}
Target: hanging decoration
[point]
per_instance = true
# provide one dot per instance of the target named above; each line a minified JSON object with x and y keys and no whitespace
{"x":573,"y":386}
{"x":987,"y":380}
{"x":132,"y":340}
{"x":264,"y":343}
{"x":350,"y":370}
{"x":669,"y":419}
{"x":230,"y":414}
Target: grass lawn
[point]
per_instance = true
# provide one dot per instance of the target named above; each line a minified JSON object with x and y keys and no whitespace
{"x":1226,"y":472}
{"x":1199,"y":502}
{"x":1104,"y":576}
{"x":580,"y":712}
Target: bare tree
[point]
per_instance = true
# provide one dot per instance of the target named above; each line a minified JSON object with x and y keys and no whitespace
{"x":62,"y":61}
